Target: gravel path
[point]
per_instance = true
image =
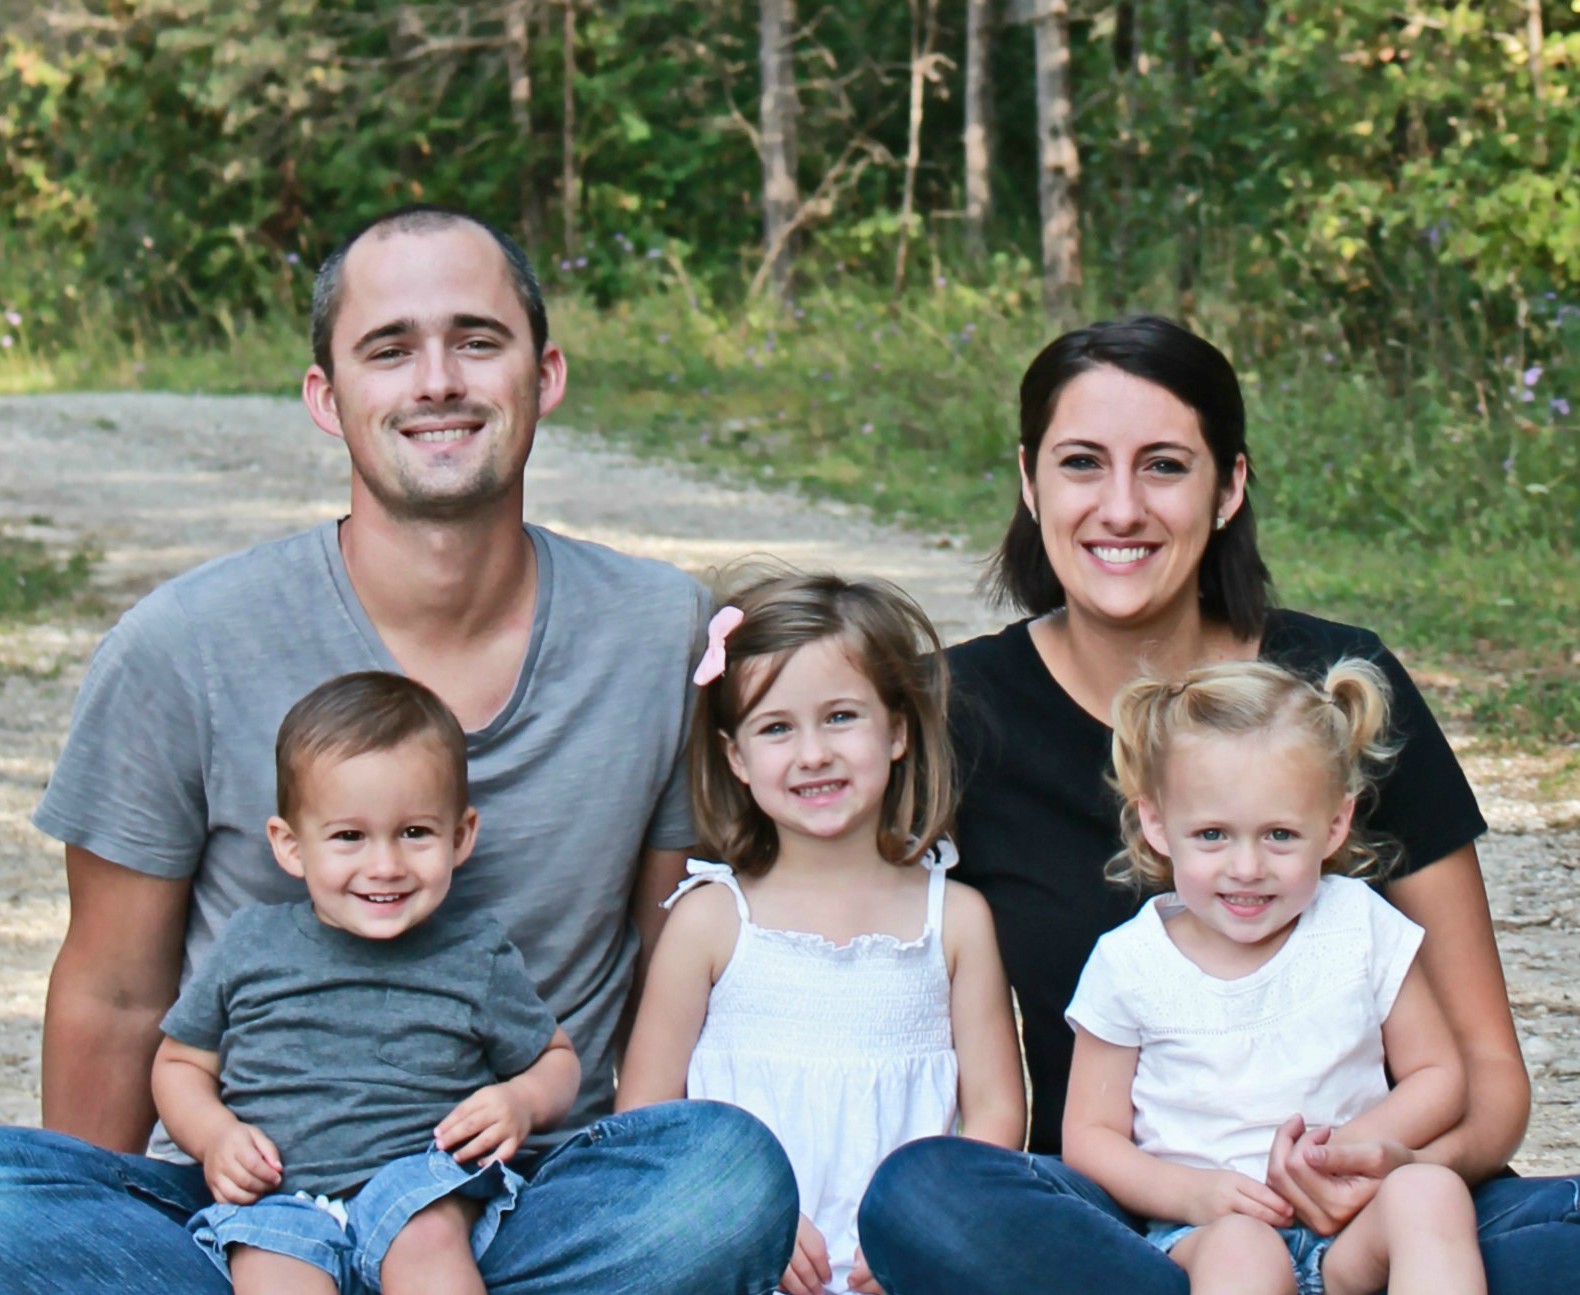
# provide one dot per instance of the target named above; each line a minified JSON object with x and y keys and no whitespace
{"x":159,"y":483}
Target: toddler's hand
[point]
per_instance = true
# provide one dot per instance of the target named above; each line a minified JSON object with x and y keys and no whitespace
{"x":242,"y":1165}
{"x":861,"y":1279}
{"x":489,"y":1123}
{"x":809,"y":1271}
{"x":1225,"y":1192}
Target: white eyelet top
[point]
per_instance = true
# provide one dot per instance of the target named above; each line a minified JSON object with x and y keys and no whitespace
{"x":845,"y":1051}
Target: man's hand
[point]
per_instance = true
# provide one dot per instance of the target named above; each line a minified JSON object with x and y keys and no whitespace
{"x":1328,"y":1184}
{"x":242,"y":1165}
{"x":493,"y":1122}
{"x":1222,"y":1191}
{"x":809,"y":1270}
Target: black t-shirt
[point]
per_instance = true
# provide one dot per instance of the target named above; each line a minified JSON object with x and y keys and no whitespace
{"x":1038,"y":820}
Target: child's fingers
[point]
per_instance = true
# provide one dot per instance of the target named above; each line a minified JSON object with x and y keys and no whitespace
{"x":465,"y":1121}
{"x":799,"y":1278}
{"x":481,"y":1144}
{"x":266,"y":1149}
{"x":1263,"y":1205}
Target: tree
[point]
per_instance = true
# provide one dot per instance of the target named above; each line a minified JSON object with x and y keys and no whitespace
{"x":776,"y":142}
{"x":978,"y":140}
{"x":1059,"y":164}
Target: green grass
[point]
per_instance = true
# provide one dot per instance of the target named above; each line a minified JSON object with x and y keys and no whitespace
{"x":34,"y":581}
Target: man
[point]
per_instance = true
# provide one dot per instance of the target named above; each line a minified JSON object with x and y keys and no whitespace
{"x":566,"y":664}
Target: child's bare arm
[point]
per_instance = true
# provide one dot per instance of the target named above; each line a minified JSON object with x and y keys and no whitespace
{"x":1428,"y":1097}
{"x":992,"y":1087}
{"x":494,"y":1121}
{"x":693,"y":950}
{"x":240,"y":1163}
{"x":1098,"y":1118}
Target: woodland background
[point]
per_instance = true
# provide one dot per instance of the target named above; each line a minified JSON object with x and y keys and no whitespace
{"x":817,"y":243}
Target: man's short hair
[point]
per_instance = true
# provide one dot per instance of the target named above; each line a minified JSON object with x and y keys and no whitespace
{"x":356,"y":714}
{"x":420,"y":218}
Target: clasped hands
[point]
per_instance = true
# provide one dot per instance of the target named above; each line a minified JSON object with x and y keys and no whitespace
{"x":1327,"y":1184}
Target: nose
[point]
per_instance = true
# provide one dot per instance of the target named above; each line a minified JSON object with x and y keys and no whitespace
{"x":383,"y":860}
{"x":1121,"y":507}
{"x":439,"y":375}
{"x":812,"y":748}
{"x":1244,"y":863}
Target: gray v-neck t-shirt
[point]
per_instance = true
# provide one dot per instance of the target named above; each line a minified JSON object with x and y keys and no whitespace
{"x":168,"y":768}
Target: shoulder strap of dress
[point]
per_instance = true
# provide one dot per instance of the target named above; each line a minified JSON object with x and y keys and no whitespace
{"x":700,"y":872}
{"x":940,"y":857}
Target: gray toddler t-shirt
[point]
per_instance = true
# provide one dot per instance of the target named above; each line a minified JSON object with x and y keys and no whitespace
{"x":347,"y":1052}
{"x":169,"y":765}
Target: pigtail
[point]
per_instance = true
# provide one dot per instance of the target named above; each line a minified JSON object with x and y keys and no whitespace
{"x":1358,"y":693}
{"x":1140,"y":718}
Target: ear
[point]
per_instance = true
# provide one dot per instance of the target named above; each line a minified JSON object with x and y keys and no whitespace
{"x":732,"y":753}
{"x":287,"y":849}
{"x":1152,"y":826}
{"x":465,"y":835}
{"x":318,"y":394}
{"x":1233,"y":493}
{"x":1028,"y":492}
{"x":899,"y":738}
{"x":551,"y":378}
{"x":1339,"y":829}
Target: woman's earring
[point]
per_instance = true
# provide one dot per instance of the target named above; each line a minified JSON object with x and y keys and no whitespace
{"x":1220,"y":523}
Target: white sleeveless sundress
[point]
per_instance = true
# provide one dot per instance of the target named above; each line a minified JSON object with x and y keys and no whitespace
{"x":845,"y":1052}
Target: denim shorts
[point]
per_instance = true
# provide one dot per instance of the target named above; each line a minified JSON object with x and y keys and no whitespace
{"x":1305,"y":1247}
{"x":349,"y":1240}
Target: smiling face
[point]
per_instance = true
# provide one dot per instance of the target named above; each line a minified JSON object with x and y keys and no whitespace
{"x":817,"y":748}
{"x":1245,"y":822}
{"x":1126,"y":494}
{"x":437,"y":387}
{"x":376,"y":837}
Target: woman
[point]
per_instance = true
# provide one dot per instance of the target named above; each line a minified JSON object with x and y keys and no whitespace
{"x":1134,"y":543}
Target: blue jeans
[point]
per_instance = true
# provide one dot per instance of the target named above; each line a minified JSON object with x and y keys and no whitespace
{"x":692,"y":1197}
{"x":946,"y":1215}
{"x":353,"y":1253}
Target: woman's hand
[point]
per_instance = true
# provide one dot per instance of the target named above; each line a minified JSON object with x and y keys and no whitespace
{"x":1328,"y":1183}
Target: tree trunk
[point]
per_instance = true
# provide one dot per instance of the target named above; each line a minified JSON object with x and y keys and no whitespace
{"x":1060,"y":166}
{"x":518,"y":69}
{"x":1187,"y":195}
{"x":777,"y":135}
{"x":1126,"y":77}
{"x":924,"y":34}
{"x":978,"y":142}
{"x":569,"y":183}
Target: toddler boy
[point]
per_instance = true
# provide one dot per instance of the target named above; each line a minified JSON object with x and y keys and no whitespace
{"x":355,"y":1070}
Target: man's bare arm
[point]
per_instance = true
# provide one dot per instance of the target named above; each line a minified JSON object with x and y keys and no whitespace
{"x":115,"y":976}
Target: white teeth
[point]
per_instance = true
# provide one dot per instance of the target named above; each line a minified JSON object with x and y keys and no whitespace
{"x":1120,"y":555}
{"x":383,"y":899}
{"x":821,"y":789}
{"x":442,"y":435}
{"x":1246,"y":901}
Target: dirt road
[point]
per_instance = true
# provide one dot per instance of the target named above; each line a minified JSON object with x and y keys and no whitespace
{"x":160,"y":483}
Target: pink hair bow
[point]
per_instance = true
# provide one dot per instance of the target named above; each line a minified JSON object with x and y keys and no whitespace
{"x":723,"y":624}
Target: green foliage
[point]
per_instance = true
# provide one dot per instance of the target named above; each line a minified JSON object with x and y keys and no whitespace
{"x":32,"y":579}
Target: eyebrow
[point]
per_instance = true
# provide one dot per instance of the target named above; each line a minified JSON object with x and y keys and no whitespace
{"x":409,"y":324}
{"x":1076,"y":442}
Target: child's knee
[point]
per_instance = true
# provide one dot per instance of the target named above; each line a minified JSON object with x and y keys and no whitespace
{"x":1239,"y":1244}
{"x":446,"y":1225}
{"x":1426,"y":1192}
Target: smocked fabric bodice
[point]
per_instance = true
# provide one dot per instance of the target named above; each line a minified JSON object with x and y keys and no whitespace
{"x":844,"y":1051}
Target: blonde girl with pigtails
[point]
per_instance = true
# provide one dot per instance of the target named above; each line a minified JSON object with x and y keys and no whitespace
{"x":819,"y":969}
{"x":1263,"y":980}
